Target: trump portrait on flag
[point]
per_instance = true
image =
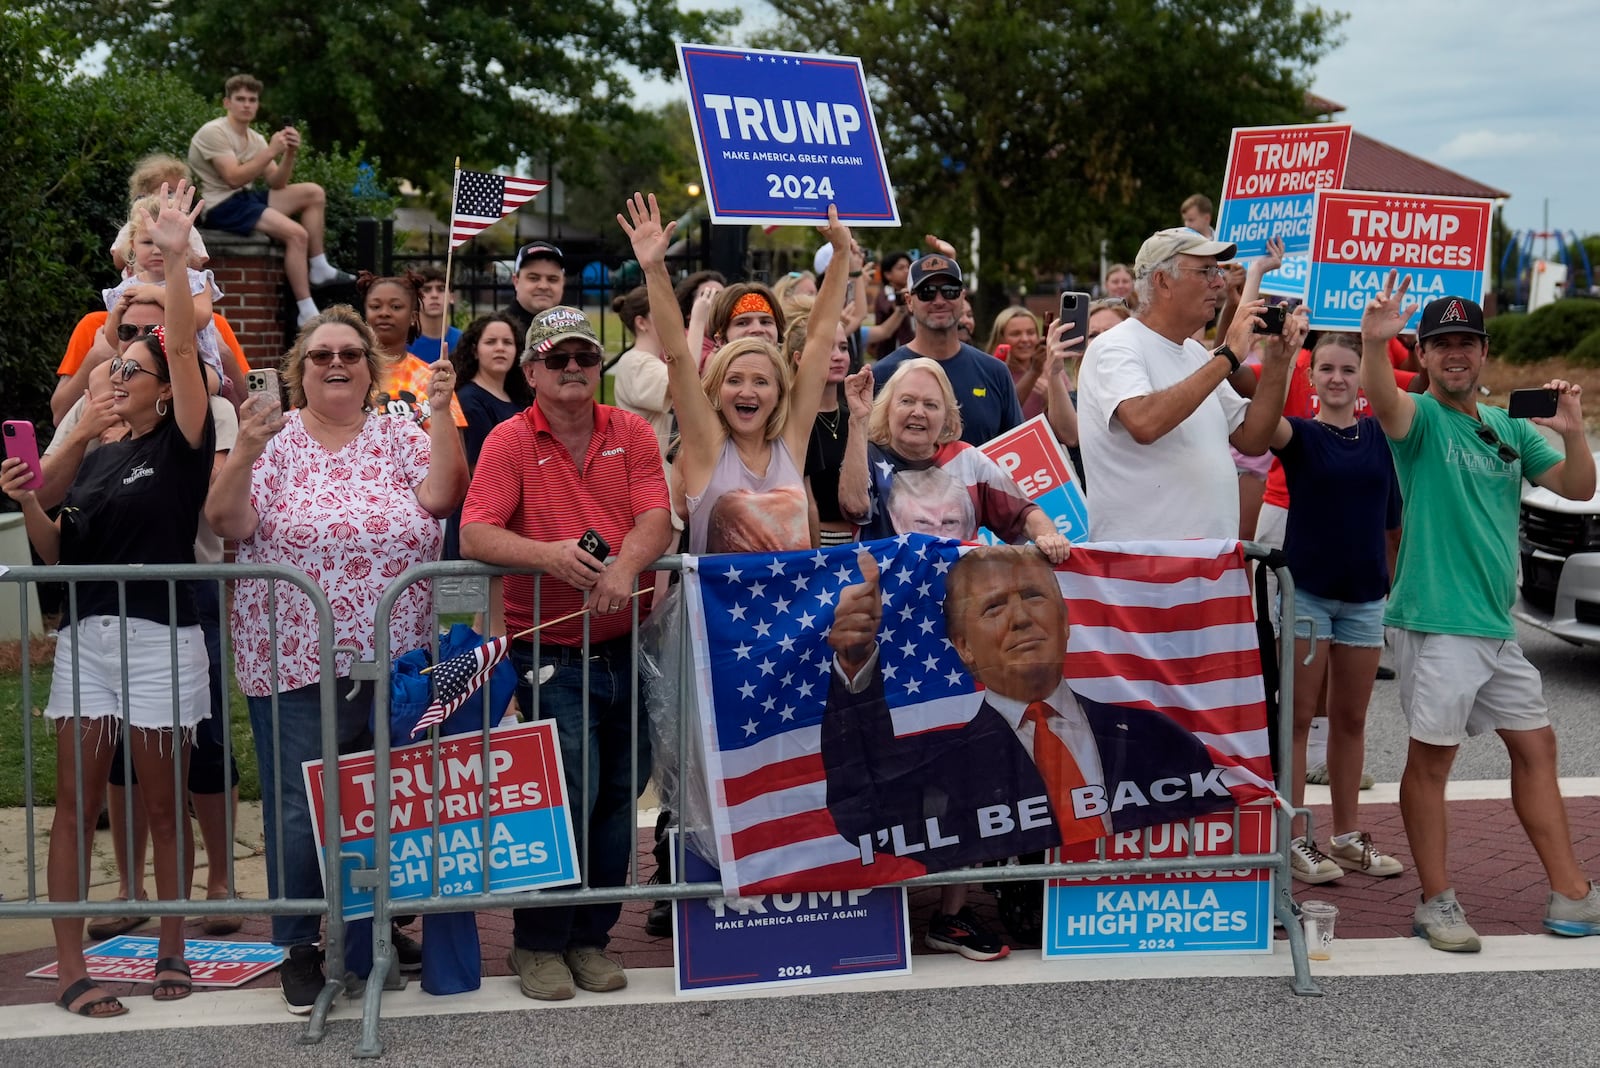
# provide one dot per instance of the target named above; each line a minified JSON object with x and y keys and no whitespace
{"x":1035,"y":765}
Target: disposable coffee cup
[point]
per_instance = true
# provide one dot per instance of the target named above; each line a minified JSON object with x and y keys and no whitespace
{"x":1318,"y":918}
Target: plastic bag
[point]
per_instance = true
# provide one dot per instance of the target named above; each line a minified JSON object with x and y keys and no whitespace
{"x":675,"y":729}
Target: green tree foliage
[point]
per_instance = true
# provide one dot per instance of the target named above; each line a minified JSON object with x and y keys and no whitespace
{"x":419,"y":81}
{"x":1049,"y":126}
{"x":1553,"y":330}
{"x":67,"y":145}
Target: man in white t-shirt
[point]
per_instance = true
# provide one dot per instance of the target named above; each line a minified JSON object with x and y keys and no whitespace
{"x":227,"y":158}
{"x":1156,"y":413}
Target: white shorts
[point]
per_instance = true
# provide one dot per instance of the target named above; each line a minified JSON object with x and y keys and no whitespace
{"x":1453,"y":686}
{"x":1271,"y":527}
{"x":154,"y":691}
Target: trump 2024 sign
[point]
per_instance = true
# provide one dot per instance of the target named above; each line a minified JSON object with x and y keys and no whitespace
{"x":782,"y":135}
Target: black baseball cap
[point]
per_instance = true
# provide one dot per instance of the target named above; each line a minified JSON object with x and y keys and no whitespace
{"x":1451,"y":315}
{"x":538,"y":250}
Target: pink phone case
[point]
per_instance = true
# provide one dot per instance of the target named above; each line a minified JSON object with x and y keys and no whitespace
{"x":21,"y":443}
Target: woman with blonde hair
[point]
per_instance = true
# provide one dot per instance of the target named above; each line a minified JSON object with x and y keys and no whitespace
{"x":746,"y":425}
{"x":1037,"y":362}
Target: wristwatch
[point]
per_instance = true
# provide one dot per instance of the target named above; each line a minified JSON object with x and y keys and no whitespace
{"x":1226,"y":353}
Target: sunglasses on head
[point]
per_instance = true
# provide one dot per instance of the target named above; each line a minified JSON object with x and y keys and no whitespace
{"x":129,"y":331}
{"x":124,"y":369}
{"x":1507,"y":454}
{"x":325,"y":357}
{"x":557,"y":361}
{"x":930,"y":290}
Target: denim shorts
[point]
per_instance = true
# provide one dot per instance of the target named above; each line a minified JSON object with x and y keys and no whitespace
{"x":1358,"y":623}
{"x":238,"y":214}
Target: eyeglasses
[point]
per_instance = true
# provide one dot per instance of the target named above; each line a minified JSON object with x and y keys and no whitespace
{"x":324,"y":357}
{"x":930,"y":290}
{"x":557,"y":361}
{"x":1215,"y":273}
{"x":125,"y":369}
{"x":129,"y":331}
{"x":1507,"y":454}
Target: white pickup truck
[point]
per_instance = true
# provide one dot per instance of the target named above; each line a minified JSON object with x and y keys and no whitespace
{"x":1559,"y":542}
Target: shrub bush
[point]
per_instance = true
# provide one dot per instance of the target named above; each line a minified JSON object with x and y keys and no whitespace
{"x":1586,"y":353}
{"x":1555,"y":329}
{"x":1503,"y":333}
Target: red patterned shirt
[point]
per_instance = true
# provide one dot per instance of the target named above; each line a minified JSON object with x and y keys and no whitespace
{"x":351,"y":521}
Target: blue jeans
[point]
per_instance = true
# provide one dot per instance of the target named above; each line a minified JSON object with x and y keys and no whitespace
{"x":611,"y":788}
{"x":300,"y":740}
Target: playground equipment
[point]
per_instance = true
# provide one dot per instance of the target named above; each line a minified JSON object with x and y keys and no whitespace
{"x":1537,"y":279}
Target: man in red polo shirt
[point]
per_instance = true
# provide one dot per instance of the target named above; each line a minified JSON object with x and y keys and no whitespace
{"x":545,"y":478}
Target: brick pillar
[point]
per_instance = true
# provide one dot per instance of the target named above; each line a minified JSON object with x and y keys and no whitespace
{"x":249,"y":271}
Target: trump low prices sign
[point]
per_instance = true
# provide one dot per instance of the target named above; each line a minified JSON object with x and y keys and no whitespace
{"x":1033,"y":459}
{"x":1273,"y":171}
{"x":132,"y":959}
{"x":1223,"y":910}
{"x":529,"y":842}
{"x":1442,"y":243}
{"x":782,"y":135}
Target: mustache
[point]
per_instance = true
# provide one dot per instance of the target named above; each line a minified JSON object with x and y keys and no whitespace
{"x":568,"y":376}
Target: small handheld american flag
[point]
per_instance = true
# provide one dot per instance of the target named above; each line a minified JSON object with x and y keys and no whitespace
{"x":457,"y":678}
{"x":483,"y":199}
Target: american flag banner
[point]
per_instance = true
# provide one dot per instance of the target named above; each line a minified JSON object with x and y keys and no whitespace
{"x":1158,"y":630}
{"x":458,"y":678}
{"x":483,"y":199}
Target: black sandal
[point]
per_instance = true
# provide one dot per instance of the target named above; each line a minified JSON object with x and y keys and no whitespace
{"x":183,"y":986}
{"x":82,"y":987}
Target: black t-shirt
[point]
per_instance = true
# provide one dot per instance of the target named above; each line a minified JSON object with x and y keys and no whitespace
{"x":825,"y":460}
{"x":138,"y":501}
{"x":484,"y":411}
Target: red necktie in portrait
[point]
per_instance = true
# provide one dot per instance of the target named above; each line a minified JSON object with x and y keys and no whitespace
{"x":1061,"y":776}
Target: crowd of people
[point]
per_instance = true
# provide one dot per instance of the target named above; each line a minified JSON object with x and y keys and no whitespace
{"x":842,"y":404}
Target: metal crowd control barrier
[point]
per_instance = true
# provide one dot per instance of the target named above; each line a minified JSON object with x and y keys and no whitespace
{"x":465,"y":588}
{"x":330,"y":905}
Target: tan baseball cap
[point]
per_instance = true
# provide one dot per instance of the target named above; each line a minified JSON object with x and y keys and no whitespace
{"x":1178,"y":241}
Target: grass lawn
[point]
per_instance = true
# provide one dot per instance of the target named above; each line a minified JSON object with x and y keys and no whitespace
{"x":13,"y":717}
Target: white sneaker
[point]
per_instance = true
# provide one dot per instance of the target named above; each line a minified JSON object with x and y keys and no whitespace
{"x":1310,"y":865}
{"x":1443,"y":923}
{"x":1359,"y":855}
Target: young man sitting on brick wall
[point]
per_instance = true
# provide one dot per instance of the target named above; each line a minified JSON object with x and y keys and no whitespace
{"x":227,"y":157}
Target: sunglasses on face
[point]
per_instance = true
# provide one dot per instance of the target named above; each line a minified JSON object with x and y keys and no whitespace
{"x":129,"y":331}
{"x":1507,"y":454}
{"x":927,"y":291}
{"x":325,"y":357}
{"x":557,"y":361}
{"x":124,"y":369}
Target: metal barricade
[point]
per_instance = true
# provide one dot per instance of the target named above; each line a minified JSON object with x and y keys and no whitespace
{"x":462,"y":587}
{"x":207,"y":579}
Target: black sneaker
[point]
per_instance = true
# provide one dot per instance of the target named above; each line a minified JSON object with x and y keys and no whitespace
{"x":1384,"y":674}
{"x":407,"y":950}
{"x":658,"y":921}
{"x":302,"y":978}
{"x":965,"y":934}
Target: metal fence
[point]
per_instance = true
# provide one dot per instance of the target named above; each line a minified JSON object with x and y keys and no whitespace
{"x":467,"y":588}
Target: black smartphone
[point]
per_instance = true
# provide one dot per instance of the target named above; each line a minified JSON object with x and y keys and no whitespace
{"x":1532,"y":403}
{"x":1272,"y":318}
{"x":593,"y":544}
{"x":1075,"y":313}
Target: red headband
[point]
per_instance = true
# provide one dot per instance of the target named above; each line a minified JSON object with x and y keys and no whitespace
{"x":750,"y":302}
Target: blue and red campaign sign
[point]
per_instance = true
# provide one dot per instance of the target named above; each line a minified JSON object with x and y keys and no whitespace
{"x":781,"y":135}
{"x":1033,"y":459}
{"x":132,"y":959}
{"x":1222,"y":910}
{"x":1272,"y":173}
{"x":529,"y":843}
{"x":1442,"y":243}
{"x":768,"y":940}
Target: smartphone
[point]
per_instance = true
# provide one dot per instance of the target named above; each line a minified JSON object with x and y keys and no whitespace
{"x":21,"y":444}
{"x":264,"y":381}
{"x":1075,"y":313}
{"x":593,"y":544}
{"x":1525,"y":404}
{"x":1002,"y":352}
{"x":1272,"y":319}
{"x":890,"y":295}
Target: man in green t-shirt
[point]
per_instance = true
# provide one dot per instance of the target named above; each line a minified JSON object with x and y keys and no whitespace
{"x":1461,"y":466}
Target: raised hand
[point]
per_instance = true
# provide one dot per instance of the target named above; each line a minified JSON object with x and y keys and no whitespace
{"x":940,"y":245}
{"x":259,"y":420}
{"x":1387,"y":313}
{"x":858,"y":393}
{"x":1271,"y":261}
{"x":1569,"y":411}
{"x":856,"y":618}
{"x":837,"y":233}
{"x":173,"y":218}
{"x":645,"y":231}
{"x":441,"y":386}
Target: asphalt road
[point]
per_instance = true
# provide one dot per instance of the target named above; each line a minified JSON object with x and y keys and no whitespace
{"x":1571,"y":680}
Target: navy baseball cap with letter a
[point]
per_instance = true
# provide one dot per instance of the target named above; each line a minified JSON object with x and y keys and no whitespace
{"x":1451,"y":315}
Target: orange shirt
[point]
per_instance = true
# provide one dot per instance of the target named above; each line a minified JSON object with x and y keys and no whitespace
{"x":90,"y":326}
